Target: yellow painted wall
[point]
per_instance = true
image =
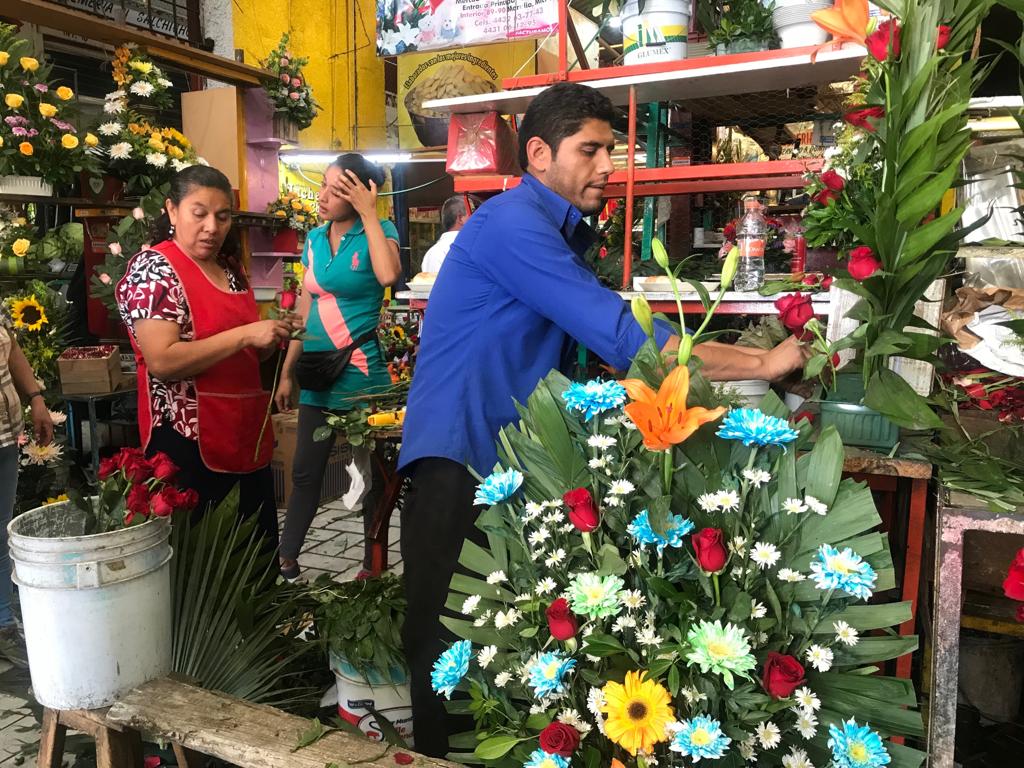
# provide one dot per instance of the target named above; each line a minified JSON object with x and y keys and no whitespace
{"x":337,"y":36}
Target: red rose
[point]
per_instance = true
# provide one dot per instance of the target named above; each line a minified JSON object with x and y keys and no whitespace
{"x":826,"y":282}
{"x":709,"y":550}
{"x":943,"y":39}
{"x":561,"y":623}
{"x":803,"y":416}
{"x":165,"y":502}
{"x":404,"y":758}
{"x":862,"y":263}
{"x":833,"y":181}
{"x":729,"y":232}
{"x":835,"y":360}
{"x":559,"y":739}
{"x":188,"y":499}
{"x":136,"y":469}
{"x":163,"y":468}
{"x":108,"y":467}
{"x":138,"y":500}
{"x":810,"y":280}
{"x":1013,"y":585}
{"x":794,"y":312}
{"x":859,"y":117}
{"x":884,"y":38}
{"x":287,"y":299}
{"x":1020,"y":613}
{"x":782,"y":675}
{"x":582,"y":512}
{"x":825,"y":196}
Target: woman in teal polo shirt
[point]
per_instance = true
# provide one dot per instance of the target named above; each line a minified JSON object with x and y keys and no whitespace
{"x":348,"y":262}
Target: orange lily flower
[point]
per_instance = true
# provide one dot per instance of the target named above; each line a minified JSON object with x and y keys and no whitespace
{"x":662,"y":417}
{"x":847,"y":22}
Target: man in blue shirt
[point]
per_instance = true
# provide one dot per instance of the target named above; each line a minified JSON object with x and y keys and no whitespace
{"x":510,"y":301}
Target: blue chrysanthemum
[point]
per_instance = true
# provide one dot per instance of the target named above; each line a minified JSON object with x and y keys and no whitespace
{"x":450,"y":667}
{"x":844,"y":570}
{"x":497,"y":487}
{"x":700,"y":737}
{"x":594,"y":397}
{"x":548,"y":672}
{"x":754,"y":427}
{"x":856,"y":746}
{"x":641,"y":530}
{"x":541,"y":759}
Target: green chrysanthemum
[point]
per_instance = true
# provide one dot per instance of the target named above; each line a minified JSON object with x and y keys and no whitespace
{"x":723,"y":650}
{"x":595,"y":596}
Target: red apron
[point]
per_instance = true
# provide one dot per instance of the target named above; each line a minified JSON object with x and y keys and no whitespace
{"x":232,"y":402}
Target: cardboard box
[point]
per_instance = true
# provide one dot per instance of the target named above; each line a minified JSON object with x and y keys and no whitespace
{"x":98,"y":373}
{"x":335,"y":481}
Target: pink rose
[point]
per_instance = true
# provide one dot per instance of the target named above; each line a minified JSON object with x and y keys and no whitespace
{"x":296,"y":82}
{"x":115,"y":249}
{"x":138,"y":214}
{"x":285,"y":78}
{"x":283,"y":62}
{"x":105,"y":278}
{"x":293,"y":96}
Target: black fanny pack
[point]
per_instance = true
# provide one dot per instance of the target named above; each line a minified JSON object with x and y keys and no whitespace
{"x":317,"y":371}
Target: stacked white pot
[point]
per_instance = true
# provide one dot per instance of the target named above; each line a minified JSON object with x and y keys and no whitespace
{"x":794,"y":25}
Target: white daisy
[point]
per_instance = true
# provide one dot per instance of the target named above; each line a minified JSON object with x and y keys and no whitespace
{"x":539,"y":536}
{"x":613,"y":501}
{"x":788,"y":574}
{"x":757,"y":477}
{"x":628,"y":422}
{"x":524,"y":598}
{"x":536,"y":554}
{"x":533,"y":510}
{"x":759,"y":639}
{"x":110,"y":128}
{"x":537,"y":709}
{"x":179,"y":165}
{"x":769,"y":735}
{"x":632,"y":599}
{"x":819,"y":657}
{"x":573,"y":718}
{"x":502,"y":679}
{"x":738,"y":546}
{"x":507,"y":618}
{"x":807,"y":699}
{"x":552,"y":504}
{"x":747,"y":749}
{"x":597,"y":463}
{"x":807,"y":724}
{"x":692,"y":695}
{"x":728,"y":500}
{"x":157,"y":159}
{"x":164,"y":82}
{"x":142,"y":88}
{"x":483,"y":619}
{"x":816,"y":506}
{"x":113,"y":107}
{"x":647,"y":636}
{"x":601,"y":442}
{"x":554,"y":517}
{"x":794,"y":507}
{"x":496,"y":577}
{"x":845,"y":633}
{"x":546,"y":585}
{"x":765,"y":555}
{"x":121,"y":151}
{"x":708,"y":502}
{"x":567,"y":528}
{"x":797,"y":758}
{"x":621,"y":488}
{"x":118,"y":94}
{"x":486,"y":655}
{"x":758,"y":610}
{"x":623,"y":623}
{"x":470,"y":603}
{"x":555,"y":558}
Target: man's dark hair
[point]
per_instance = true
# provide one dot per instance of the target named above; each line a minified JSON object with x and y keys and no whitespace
{"x":454,"y":207}
{"x":558,"y":112}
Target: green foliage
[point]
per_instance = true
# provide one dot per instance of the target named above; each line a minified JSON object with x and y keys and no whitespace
{"x":728,"y":21}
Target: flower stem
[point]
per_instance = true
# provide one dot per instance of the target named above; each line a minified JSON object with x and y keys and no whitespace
{"x":270,"y":405}
{"x":718,"y":594}
{"x":667,"y":471}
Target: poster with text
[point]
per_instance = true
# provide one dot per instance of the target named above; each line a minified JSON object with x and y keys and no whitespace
{"x":406,"y":26}
{"x":423,"y":77}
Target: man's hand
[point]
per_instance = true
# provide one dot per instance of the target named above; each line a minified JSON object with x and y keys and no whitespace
{"x":787,"y":357}
{"x":42,"y":424}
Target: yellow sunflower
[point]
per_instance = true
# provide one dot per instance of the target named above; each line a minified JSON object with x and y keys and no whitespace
{"x":28,"y":314}
{"x":638,"y":712}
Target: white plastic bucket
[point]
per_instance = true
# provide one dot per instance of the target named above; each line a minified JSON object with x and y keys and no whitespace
{"x":751,"y":390}
{"x":657,"y":34}
{"x":96,"y":609}
{"x":359,"y":699}
{"x":33,"y":186}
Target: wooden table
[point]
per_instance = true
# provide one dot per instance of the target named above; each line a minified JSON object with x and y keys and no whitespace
{"x":895,"y":477}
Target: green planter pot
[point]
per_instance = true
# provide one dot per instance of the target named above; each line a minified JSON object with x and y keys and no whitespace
{"x":857,"y":424}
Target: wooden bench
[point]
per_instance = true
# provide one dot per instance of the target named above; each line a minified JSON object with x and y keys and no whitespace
{"x":248,"y":735}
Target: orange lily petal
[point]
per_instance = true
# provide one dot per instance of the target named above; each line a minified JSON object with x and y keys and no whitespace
{"x":638,"y":390}
{"x":663,"y":418}
{"x":847,"y":22}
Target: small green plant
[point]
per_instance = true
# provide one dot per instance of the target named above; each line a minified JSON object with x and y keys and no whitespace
{"x":733,"y":20}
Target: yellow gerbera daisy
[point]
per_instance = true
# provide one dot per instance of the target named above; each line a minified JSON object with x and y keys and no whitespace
{"x":28,"y":314}
{"x":638,"y":712}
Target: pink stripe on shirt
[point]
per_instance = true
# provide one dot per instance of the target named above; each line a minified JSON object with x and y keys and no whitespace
{"x":330,"y":315}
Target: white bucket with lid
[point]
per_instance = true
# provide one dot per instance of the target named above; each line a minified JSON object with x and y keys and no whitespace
{"x":656,"y":34}
{"x":360,"y":699}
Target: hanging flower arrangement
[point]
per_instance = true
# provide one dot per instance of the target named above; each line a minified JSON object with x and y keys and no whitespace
{"x":141,"y":82}
{"x":288,"y":91}
{"x":293,"y":212}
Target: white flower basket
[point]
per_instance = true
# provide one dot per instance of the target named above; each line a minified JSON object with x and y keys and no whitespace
{"x":28,"y":186}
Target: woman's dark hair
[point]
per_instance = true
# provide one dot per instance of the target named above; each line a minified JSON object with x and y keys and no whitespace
{"x":366,"y":170}
{"x":559,"y":112}
{"x":182,"y":183}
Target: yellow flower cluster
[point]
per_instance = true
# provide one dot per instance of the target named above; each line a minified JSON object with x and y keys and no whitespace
{"x":299,"y":212}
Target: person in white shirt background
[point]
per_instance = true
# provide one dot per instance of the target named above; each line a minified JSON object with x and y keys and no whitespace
{"x":453,"y":215}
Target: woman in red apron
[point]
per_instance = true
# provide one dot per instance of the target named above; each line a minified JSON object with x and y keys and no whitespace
{"x":198,"y":343}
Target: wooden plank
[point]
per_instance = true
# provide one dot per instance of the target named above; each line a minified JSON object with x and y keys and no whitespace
{"x":51,"y":740}
{"x":870,"y":463}
{"x":242,"y":733}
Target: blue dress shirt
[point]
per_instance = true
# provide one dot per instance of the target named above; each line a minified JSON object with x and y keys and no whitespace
{"x":510,"y":299}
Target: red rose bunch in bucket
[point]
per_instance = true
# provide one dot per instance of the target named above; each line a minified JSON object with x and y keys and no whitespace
{"x":132,"y":490}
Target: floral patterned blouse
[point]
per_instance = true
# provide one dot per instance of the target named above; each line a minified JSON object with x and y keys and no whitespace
{"x":151,"y":290}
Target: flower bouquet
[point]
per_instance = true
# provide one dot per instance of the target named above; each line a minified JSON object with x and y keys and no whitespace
{"x":665,"y":582}
{"x":42,"y":468}
{"x":294,"y":217}
{"x":38,"y":136}
{"x":39,"y":317}
{"x":145,"y":83}
{"x":288,"y":91}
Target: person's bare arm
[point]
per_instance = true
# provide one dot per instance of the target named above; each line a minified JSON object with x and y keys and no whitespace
{"x":25,"y":382}
{"x":285,"y":394}
{"x":725,"y":362}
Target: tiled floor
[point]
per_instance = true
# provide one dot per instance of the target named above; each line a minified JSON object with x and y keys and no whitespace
{"x":333,"y":545}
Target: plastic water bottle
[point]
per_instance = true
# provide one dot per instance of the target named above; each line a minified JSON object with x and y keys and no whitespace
{"x":751,"y":235}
